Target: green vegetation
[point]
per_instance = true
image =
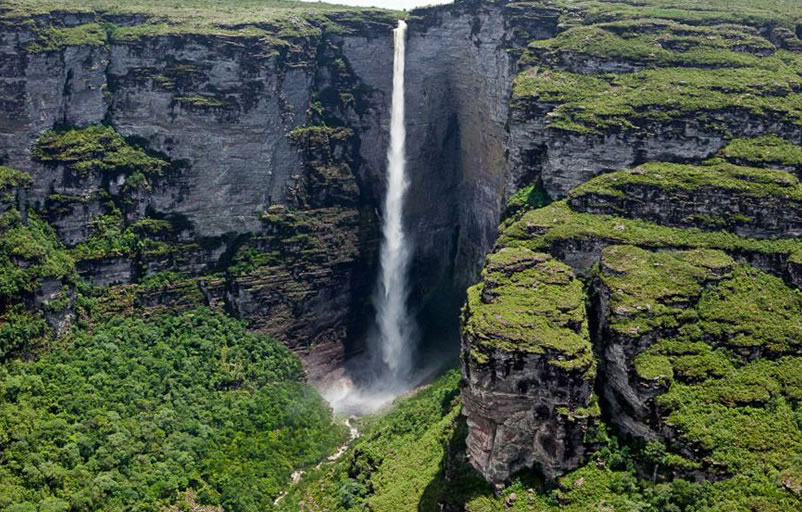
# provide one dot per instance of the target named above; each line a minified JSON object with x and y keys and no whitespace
{"x":735,"y":181}
{"x":768,"y":149}
{"x":100,"y":149}
{"x":96,"y":148}
{"x":10,"y":178}
{"x":396,"y":465}
{"x":57,"y":38}
{"x":780,"y":12}
{"x":277,"y":24}
{"x":29,"y":252}
{"x":529,"y":302}
{"x":201,"y":101}
{"x":527,"y":198}
{"x":624,"y":66}
{"x":656,"y":42}
{"x":111,"y":238}
{"x":634,"y":101}
{"x":714,"y":196}
{"x":546,"y":228}
{"x":411,"y":459}
{"x":651,"y":290}
{"x":315,"y":135}
{"x":704,"y":320}
{"x":131,"y":415}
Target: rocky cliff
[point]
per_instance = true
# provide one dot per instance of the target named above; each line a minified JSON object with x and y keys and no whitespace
{"x":247,"y":191}
{"x":632,"y":168}
{"x":656,"y":155}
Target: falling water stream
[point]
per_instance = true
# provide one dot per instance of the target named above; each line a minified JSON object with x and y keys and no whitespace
{"x":391,"y":295}
{"x":389,"y":361}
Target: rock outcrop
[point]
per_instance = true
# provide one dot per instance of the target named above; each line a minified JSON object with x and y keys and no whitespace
{"x":528,"y":367}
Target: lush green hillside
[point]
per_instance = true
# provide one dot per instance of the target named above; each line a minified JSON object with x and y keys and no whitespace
{"x":412,"y":459}
{"x":138,"y":411}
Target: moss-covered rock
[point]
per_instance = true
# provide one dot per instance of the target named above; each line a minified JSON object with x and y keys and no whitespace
{"x":749,"y":201}
{"x":578,"y":238}
{"x":36,"y":275}
{"x":766,"y":150}
{"x":529,"y":366}
{"x":701,"y":351}
{"x":95,"y":149}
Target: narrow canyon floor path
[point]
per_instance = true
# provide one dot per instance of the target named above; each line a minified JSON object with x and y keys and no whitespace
{"x":298,"y":474}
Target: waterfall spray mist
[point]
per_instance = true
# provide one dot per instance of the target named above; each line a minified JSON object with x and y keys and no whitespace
{"x":386,"y":371}
{"x":392,"y":316}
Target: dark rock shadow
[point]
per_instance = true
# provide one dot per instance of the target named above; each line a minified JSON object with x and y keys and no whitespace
{"x":456,"y":482}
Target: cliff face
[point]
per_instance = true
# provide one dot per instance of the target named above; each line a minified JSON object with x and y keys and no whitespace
{"x":269,"y":220}
{"x":674,"y":167}
{"x":222,"y":109}
{"x":528,"y":366}
{"x":460,"y":61}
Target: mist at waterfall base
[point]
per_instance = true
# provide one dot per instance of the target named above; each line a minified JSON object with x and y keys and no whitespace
{"x":386,"y":369}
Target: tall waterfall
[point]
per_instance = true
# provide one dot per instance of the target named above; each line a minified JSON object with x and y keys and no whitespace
{"x":392,"y":317}
{"x":386,"y":370}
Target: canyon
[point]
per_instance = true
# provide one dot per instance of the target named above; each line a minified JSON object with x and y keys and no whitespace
{"x":602,"y":211}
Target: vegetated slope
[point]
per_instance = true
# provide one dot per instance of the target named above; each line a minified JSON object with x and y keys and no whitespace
{"x":109,"y":404}
{"x":412,"y":458}
{"x":136,"y":412}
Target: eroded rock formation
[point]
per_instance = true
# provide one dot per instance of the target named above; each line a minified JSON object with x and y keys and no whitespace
{"x":528,"y":367}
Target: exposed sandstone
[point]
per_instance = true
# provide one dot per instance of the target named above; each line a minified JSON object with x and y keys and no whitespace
{"x":528,"y":367}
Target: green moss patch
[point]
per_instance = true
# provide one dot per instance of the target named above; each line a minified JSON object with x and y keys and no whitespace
{"x":12,"y":178}
{"x":29,"y":252}
{"x":768,"y":149}
{"x":650,"y":290}
{"x":753,"y":309}
{"x":201,"y":101}
{"x":712,"y":12}
{"x":733,"y":180}
{"x":634,"y":101}
{"x":95,"y":149}
{"x":546,"y":228}
{"x":57,"y":38}
{"x":655,"y":42}
{"x":716,"y":196}
{"x":723,"y":339}
{"x":532,"y":303}
{"x":279,"y":26}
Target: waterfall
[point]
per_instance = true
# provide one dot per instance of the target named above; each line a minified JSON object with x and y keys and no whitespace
{"x":392,"y":317}
{"x":386,"y":370}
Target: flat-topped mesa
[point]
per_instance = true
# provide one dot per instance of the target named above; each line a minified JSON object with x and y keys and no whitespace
{"x":528,"y":367}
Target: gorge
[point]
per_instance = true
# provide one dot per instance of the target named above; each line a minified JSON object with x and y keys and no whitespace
{"x":593,"y":205}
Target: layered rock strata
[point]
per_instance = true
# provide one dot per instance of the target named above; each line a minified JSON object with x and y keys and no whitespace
{"x":528,"y":367}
